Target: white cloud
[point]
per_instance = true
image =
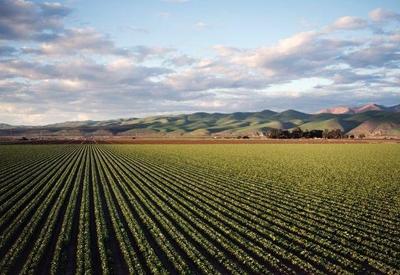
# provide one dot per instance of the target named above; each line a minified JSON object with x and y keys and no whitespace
{"x":380,"y":14}
{"x":226,"y":50}
{"x":75,"y":72}
{"x":350,"y":22}
{"x":80,"y":41}
{"x":144,"y":52}
{"x":180,"y":60}
{"x":26,"y":20}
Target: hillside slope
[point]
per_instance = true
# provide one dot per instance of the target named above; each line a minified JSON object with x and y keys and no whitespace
{"x":375,"y":122}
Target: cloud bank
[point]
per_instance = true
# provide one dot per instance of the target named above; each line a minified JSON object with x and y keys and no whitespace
{"x":50,"y":72}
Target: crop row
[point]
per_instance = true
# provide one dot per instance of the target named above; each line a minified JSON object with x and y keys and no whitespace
{"x":109,"y":209}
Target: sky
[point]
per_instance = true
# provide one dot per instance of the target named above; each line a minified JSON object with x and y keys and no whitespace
{"x":97,"y":59}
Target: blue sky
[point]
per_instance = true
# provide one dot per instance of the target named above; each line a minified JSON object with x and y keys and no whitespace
{"x":77,"y":60}
{"x":238,"y":23}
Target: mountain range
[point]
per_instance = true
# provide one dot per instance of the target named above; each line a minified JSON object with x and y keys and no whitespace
{"x":370,"y":120}
{"x":360,"y":109}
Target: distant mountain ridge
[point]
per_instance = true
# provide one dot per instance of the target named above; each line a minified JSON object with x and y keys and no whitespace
{"x":360,"y":109}
{"x":370,"y":120}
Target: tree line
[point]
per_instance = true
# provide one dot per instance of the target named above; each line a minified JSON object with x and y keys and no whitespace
{"x":299,"y":133}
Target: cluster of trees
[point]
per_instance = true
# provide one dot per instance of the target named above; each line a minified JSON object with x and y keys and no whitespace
{"x":298,"y":133}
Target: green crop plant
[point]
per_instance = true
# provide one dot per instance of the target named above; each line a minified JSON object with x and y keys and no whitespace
{"x":202,"y":209}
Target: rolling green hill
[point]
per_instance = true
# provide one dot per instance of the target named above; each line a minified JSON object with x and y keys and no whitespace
{"x":370,"y":122}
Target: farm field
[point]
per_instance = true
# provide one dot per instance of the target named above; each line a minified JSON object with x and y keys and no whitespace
{"x":223,"y":208}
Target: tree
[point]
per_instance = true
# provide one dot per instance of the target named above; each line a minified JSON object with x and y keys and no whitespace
{"x":285,"y":134}
{"x":334,"y":134}
{"x":316,"y":133}
{"x":325,"y":134}
{"x":274,"y":133}
{"x":297,"y":133}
